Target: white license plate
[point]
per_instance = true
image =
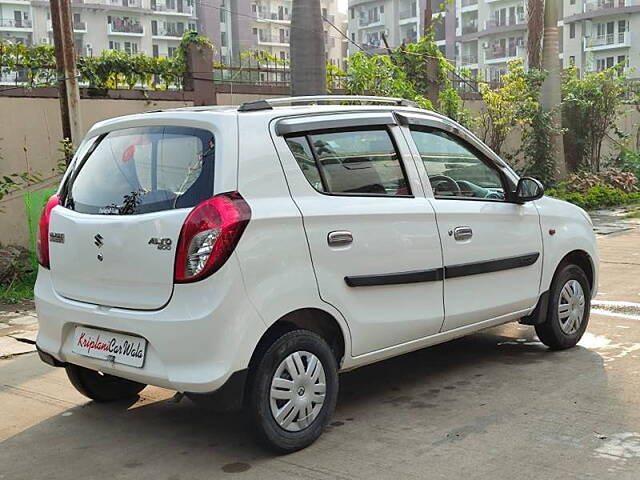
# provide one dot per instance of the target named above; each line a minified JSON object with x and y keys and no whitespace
{"x":111,"y":346}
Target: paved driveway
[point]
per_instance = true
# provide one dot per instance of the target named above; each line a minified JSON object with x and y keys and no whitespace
{"x":495,"y":405}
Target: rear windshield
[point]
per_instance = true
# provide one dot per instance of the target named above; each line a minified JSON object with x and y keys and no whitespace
{"x":143,"y":170}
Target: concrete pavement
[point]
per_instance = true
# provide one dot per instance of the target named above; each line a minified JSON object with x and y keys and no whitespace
{"x":495,"y":405}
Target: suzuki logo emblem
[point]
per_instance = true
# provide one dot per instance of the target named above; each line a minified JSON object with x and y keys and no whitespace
{"x":98,"y":240}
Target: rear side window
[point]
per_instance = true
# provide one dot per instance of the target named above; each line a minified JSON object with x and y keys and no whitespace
{"x":143,"y":170}
{"x":355,"y":162}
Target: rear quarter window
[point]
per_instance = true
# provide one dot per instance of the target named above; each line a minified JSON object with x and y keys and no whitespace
{"x":144,"y":170}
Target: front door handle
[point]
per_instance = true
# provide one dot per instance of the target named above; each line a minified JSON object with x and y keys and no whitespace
{"x":462,"y":233}
{"x":339,"y":238}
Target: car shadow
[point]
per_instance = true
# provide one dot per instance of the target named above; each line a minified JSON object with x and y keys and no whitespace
{"x":153,"y":438}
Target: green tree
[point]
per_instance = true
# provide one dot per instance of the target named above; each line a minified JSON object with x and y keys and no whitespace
{"x":512,"y":104}
{"x":590,"y":106}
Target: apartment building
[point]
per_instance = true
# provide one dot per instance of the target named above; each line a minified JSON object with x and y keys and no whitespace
{"x":599,"y":34}
{"x":481,"y":36}
{"x":150,"y":26}
{"x":271,"y":29}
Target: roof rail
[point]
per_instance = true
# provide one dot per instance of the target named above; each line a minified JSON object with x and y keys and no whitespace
{"x":269,"y":103}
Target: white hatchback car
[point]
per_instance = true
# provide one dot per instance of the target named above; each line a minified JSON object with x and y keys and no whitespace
{"x":245,"y":256}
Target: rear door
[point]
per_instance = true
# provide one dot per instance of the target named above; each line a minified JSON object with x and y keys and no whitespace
{"x":371,"y":232}
{"x":492,"y":248}
{"x":122,"y":211}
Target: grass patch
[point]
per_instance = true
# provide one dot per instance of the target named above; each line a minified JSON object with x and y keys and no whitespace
{"x":18,"y":290}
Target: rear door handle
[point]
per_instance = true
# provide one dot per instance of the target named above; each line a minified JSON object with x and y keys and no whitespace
{"x":462,"y":233}
{"x":339,"y":238}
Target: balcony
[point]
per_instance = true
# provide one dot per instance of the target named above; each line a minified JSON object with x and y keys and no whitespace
{"x":167,"y":34}
{"x":124,"y":3}
{"x":409,"y":13}
{"x":269,"y":38}
{"x":468,"y":59}
{"x":373,"y":21}
{"x":469,"y":3}
{"x":161,"y":9}
{"x":78,"y":27}
{"x":519,"y":19}
{"x":611,"y":40}
{"x":124,"y":27}
{"x":497,"y":54}
{"x":592,"y":6}
{"x":275,"y":17}
{"x":20,"y":25}
{"x":471,"y":27}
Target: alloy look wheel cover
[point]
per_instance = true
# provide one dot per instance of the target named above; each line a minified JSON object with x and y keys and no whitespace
{"x":571,"y":307}
{"x":298,"y":390}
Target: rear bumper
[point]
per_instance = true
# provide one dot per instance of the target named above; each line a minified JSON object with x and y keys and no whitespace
{"x":195,"y":343}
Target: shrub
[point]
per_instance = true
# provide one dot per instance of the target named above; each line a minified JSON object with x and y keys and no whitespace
{"x":595,"y":197}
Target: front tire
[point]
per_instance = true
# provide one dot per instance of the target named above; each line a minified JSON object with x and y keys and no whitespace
{"x":293,"y":391}
{"x":569,"y":308}
{"x":101,"y":387}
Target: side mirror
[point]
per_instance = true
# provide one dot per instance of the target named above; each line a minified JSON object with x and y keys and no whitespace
{"x":528,"y":189}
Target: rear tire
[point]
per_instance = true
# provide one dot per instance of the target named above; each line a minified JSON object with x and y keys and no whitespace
{"x":101,"y":387}
{"x":569,"y":308}
{"x":302,"y":401}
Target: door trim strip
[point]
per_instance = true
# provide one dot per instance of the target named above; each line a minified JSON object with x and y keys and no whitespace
{"x":417,"y":276}
{"x":490,"y":266}
{"x":438,"y":274}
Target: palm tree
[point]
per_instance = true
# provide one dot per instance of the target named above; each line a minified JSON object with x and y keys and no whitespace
{"x":543,"y":28}
{"x":308,"y":60}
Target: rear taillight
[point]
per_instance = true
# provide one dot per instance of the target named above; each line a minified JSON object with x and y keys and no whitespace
{"x":42,"y":238}
{"x":209,"y":235}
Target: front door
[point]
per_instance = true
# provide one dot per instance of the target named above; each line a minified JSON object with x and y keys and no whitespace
{"x":372,"y":234}
{"x":492,"y":248}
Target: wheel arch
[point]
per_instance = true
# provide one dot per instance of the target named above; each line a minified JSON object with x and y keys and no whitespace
{"x":313,"y":319}
{"x":583,"y":260}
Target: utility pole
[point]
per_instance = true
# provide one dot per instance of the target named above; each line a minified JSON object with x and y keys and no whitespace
{"x":68,"y":88}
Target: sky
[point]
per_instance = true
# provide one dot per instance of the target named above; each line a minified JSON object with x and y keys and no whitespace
{"x":342,"y":5}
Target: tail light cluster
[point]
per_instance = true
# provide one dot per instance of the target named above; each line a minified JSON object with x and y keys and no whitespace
{"x":42,"y":238}
{"x":209,"y":235}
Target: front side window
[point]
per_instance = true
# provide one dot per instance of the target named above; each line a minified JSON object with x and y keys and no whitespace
{"x":454,"y":169}
{"x":143,"y":170}
{"x":362,"y":162}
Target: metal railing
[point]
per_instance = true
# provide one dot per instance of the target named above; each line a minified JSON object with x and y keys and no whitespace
{"x":590,"y":6}
{"x":608,"y":39}
{"x":168,"y":33}
{"x":119,"y":25}
{"x":11,"y":23}
{"x":498,"y":53}
{"x":185,"y":9}
{"x":408,"y":13}
{"x":366,"y":20}
{"x":468,"y":59}
{"x":469,"y":3}
{"x":471,"y":27}
{"x":519,"y":19}
{"x":270,"y":37}
{"x":277,"y":16}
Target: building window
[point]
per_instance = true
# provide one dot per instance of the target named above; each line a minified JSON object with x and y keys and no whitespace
{"x":572,"y":60}
{"x":572,"y":30}
{"x":353,"y":37}
{"x":622,"y":59}
{"x":254,"y":9}
{"x":172,"y":52}
{"x":572,"y":2}
{"x":255,"y":31}
{"x":352,"y":13}
{"x":223,"y":39}
{"x":223,"y":15}
{"x":381,"y":8}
